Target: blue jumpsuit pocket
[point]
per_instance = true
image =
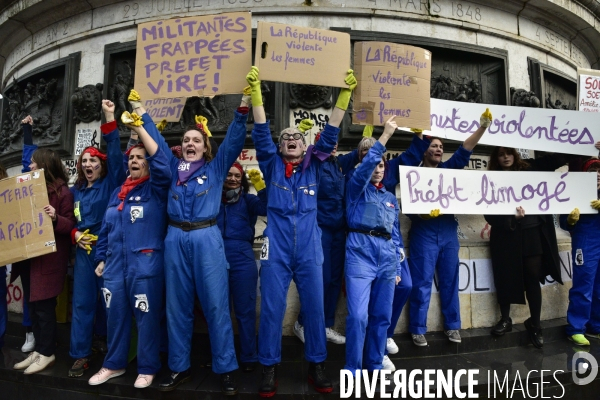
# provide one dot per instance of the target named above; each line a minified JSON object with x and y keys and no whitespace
{"x":279,"y":198}
{"x":307,"y":198}
{"x":148,"y":264}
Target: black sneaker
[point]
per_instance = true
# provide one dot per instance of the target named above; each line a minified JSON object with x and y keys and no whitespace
{"x":79,"y":367}
{"x":317,"y":377}
{"x":173,"y":380}
{"x":268,"y":382}
{"x":228,"y":385}
{"x":535,"y":334}
{"x":99,"y":344}
{"x":503,"y":326}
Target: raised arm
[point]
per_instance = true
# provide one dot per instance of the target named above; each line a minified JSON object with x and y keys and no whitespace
{"x":484,"y":121}
{"x":110,"y":134}
{"x":337,"y":115}
{"x":362,"y":175}
{"x":28,"y":146}
{"x":258,"y":110}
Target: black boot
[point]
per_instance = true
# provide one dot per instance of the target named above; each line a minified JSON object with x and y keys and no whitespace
{"x":228,"y":385}
{"x":268,"y":383}
{"x":535,"y":334}
{"x":173,"y":380}
{"x":503,"y":326}
{"x":317,"y":377}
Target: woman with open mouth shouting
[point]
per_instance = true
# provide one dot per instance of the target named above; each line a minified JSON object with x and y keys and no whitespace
{"x":98,"y":175}
{"x":195,"y":262}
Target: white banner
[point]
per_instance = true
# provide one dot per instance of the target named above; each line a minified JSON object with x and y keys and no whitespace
{"x":455,"y":191}
{"x":588,"y":90}
{"x":557,"y":131}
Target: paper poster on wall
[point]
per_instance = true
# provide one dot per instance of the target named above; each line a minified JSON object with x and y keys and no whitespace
{"x":296,"y":54}
{"x":557,"y":131}
{"x":165,"y":109}
{"x":25,"y":229}
{"x":588,"y":90}
{"x":86,"y":137}
{"x":195,"y":56}
{"x":455,"y":191}
{"x":393,"y":79}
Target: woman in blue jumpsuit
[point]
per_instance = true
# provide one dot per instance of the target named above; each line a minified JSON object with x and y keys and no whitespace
{"x":130,"y":258}
{"x":98,"y":175}
{"x":373,"y":256}
{"x":195,"y":260}
{"x":237,"y":217}
{"x":434,"y":245}
{"x":583,"y":314}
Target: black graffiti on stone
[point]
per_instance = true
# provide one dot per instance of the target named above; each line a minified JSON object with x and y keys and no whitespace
{"x":318,"y":119}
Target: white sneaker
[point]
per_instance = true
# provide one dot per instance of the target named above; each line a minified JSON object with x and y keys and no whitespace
{"x":40,"y":363}
{"x":391,"y":346}
{"x":334,"y":337}
{"x":299,"y":331}
{"x":387,"y":364}
{"x":28,"y":361}
{"x":105,"y":374}
{"x":29,"y":344}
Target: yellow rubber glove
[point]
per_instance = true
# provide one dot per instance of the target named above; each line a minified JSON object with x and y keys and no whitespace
{"x":305,"y":125}
{"x":595,"y":204}
{"x":247,"y":97}
{"x":416,"y":130}
{"x":204,"y":122}
{"x":486,"y":118}
{"x":134,"y":99}
{"x":256,"y":179}
{"x":573,"y":217}
{"x":433,"y":214}
{"x":131,"y":119}
{"x":344,"y":98}
{"x":82,"y":235}
{"x":254,"y":82}
{"x":368,"y":131}
{"x":161,"y":125}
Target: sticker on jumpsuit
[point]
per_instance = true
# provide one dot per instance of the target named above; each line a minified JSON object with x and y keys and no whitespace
{"x":136,"y":212}
{"x":264,"y":252}
{"x":107,"y":296}
{"x":141,"y":302}
{"x":76,"y":211}
{"x":579,"y":257}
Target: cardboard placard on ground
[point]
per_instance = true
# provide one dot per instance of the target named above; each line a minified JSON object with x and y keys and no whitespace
{"x":456,"y":191}
{"x":195,"y":56}
{"x":25,"y":228}
{"x":588,"y":90}
{"x":393,"y":79}
{"x":167,"y":109}
{"x":545,"y":129}
{"x":296,"y":54}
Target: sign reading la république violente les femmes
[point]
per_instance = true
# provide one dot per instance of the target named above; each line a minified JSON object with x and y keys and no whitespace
{"x":456,"y":191}
{"x":557,"y":131}
{"x":195,"y":56}
{"x":393,"y":79}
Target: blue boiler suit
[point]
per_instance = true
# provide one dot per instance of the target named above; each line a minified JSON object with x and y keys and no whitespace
{"x":583,"y":314}
{"x":236,"y":222}
{"x":132,"y":247}
{"x":90,"y":206}
{"x":331,"y":218}
{"x":195,"y":260}
{"x":372,"y":264}
{"x":434,"y":245}
{"x":411,"y":157}
{"x":292,"y":248}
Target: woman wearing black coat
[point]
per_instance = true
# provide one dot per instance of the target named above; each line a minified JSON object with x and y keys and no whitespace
{"x":523,"y":248}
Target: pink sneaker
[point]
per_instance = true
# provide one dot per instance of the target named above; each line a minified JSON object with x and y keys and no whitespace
{"x":143,"y":381}
{"x":105,"y":374}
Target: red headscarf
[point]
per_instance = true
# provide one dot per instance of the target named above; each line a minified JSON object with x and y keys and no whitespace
{"x":239,"y":167}
{"x":94,"y":152}
{"x":589,"y":163}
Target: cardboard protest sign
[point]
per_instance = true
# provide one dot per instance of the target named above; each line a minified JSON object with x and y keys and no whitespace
{"x":588,"y":90}
{"x":169,"y":109}
{"x":393,"y":79}
{"x":25,"y":228}
{"x":557,"y":131}
{"x":195,"y":56}
{"x":295,"y":54}
{"x":456,"y":191}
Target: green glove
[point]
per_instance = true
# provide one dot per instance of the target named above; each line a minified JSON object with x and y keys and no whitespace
{"x":256,"y":180}
{"x":254,"y":82}
{"x":305,"y":125}
{"x":573,"y":217}
{"x":134,"y":99}
{"x":344,"y":97}
{"x":368,"y":131}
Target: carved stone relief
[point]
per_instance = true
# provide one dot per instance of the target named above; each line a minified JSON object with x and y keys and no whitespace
{"x":310,"y":96}
{"x":524,"y":98}
{"x":87,"y":103}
